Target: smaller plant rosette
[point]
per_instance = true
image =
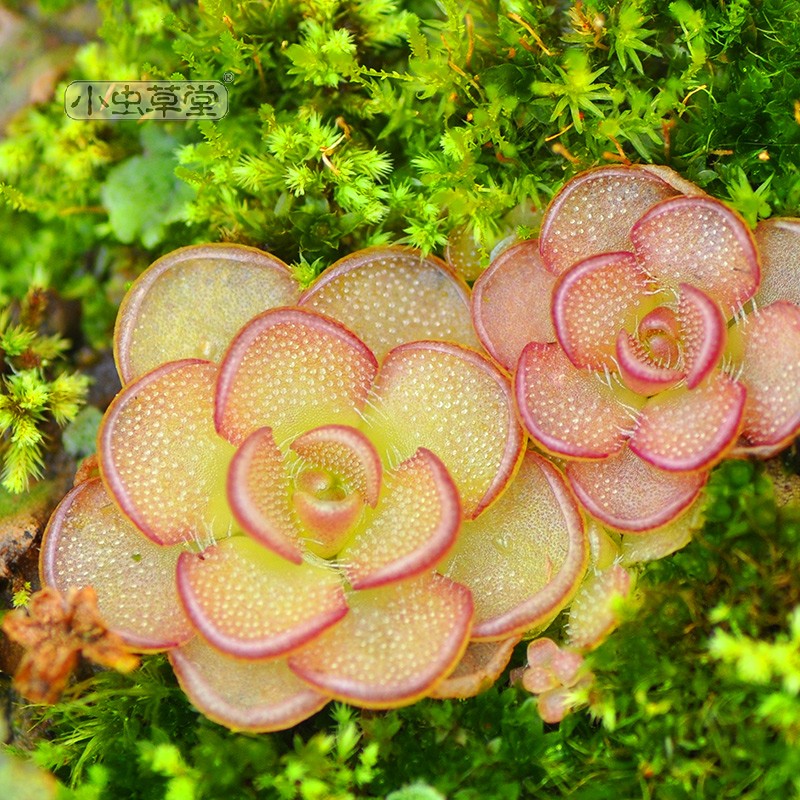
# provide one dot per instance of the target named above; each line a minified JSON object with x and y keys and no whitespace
{"x":650,"y":334}
{"x":299,"y":510}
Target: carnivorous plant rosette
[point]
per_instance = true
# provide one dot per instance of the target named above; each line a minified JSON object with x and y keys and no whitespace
{"x":295,"y":519}
{"x":638,"y":353}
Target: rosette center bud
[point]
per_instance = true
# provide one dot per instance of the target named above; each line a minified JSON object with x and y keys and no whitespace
{"x":659,"y":333}
{"x":326,"y":510}
{"x":339,"y":473}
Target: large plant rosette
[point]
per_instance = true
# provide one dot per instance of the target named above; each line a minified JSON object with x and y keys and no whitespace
{"x":642,"y":349}
{"x":298,"y":509}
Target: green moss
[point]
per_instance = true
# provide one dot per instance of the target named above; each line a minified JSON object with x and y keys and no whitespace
{"x":32,"y":391}
{"x":357,"y":123}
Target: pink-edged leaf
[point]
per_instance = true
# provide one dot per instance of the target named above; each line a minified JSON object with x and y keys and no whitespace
{"x":463,"y":254}
{"x":538,"y":675}
{"x":639,"y":371}
{"x":480,"y":666}
{"x":191,"y":302}
{"x":674,"y":179}
{"x":256,"y":696}
{"x":415,"y":524}
{"x":348,"y":454}
{"x":250,"y":603}
{"x":292,"y":370}
{"x":663,"y":541}
{"x":778,"y":241}
{"x":524,"y":557}
{"x":550,"y":665}
{"x":391,"y":295}
{"x":661,"y":330}
{"x":592,"y":302}
{"x":593,"y":613}
{"x":699,"y":241}
{"x":161,"y":456}
{"x":258,"y":494}
{"x":594,"y":213}
{"x":89,"y":542}
{"x":454,"y":402}
{"x":556,"y":704}
{"x":569,"y":411}
{"x":541,"y":652}
{"x":703,"y":333}
{"x":688,"y":429}
{"x":603,"y":546}
{"x":511,"y":303}
{"x":628,"y":494}
{"x":770,"y":369}
{"x":395,"y":645}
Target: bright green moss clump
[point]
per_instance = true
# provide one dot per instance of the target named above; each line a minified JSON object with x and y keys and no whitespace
{"x":31,"y":392}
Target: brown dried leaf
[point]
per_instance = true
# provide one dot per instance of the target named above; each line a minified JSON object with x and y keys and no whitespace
{"x":55,"y":631}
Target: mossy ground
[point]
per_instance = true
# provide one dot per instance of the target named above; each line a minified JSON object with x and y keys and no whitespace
{"x":355,"y":123}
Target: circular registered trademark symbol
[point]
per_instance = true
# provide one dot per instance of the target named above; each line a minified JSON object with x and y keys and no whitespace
{"x":227,"y":77}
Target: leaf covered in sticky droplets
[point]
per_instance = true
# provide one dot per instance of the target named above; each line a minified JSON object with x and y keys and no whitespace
{"x":251,"y":603}
{"x":455,"y":403}
{"x":257,"y":696}
{"x":523,"y":557}
{"x":292,"y":370}
{"x":89,"y":542}
{"x":392,"y":295}
{"x":191,"y":302}
{"x":511,"y":303}
{"x":161,"y":457}
{"x":396,"y":643}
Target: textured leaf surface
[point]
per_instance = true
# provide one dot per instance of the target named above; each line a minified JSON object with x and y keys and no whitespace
{"x":396,"y":643}
{"x":250,"y":603}
{"x":592,"y":302}
{"x":348,"y":454}
{"x":686,"y":429}
{"x":191,"y":302}
{"x":778,"y":241}
{"x":771,"y":372}
{"x":699,"y":241}
{"x":413,"y":527}
{"x":639,"y":371}
{"x":550,"y":666}
{"x":258,"y":696}
{"x":392,"y":295}
{"x":703,"y":333}
{"x":627,"y":493}
{"x":593,"y":615}
{"x":89,"y":542}
{"x":569,"y":411}
{"x":455,"y":403}
{"x":292,"y":370}
{"x":162,"y":458}
{"x":480,"y":666}
{"x":594,"y":213}
{"x":524,"y":557}
{"x":667,"y":539}
{"x":511,"y":303}
{"x":258,"y":493}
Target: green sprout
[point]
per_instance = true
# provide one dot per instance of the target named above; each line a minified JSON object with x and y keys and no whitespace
{"x":30,"y":395}
{"x":574,"y":86}
{"x":21,"y":597}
